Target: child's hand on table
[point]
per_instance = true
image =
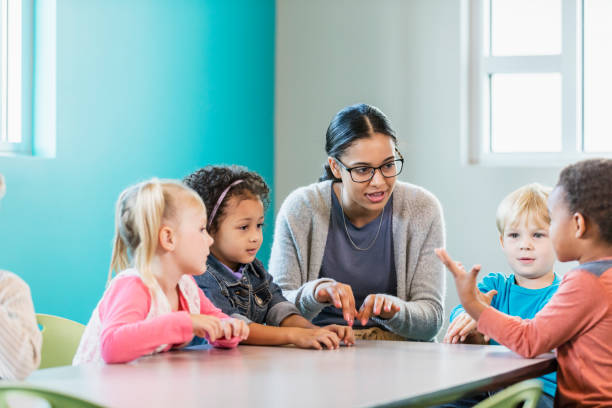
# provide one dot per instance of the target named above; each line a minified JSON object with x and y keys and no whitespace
{"x":463,"y":330}
{"x":314,"y":338}
{"x":234,"y":328}
{"x":344,"y":333}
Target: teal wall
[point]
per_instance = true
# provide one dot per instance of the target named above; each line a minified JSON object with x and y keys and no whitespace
{"x":144,"y":88}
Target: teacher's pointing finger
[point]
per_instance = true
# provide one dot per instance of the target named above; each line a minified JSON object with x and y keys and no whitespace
{"x":340,"y":295}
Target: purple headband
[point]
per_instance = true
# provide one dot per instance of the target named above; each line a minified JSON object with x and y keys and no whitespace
{"x":220,"y":200}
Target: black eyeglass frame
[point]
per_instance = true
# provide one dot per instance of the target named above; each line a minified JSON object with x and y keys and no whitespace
{"x":373,"y":169}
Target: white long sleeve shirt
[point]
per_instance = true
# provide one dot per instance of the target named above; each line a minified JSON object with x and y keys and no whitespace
{"x":20,"y":338}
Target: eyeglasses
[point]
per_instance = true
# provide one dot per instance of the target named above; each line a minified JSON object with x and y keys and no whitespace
{"x":363,"y":174}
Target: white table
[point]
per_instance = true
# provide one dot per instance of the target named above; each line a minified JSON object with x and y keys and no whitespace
{"x":372,"y":373}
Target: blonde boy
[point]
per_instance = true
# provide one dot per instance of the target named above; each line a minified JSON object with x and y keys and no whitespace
{"x":523,"y":223}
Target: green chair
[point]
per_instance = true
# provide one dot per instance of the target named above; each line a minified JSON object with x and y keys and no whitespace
{"x":527,"y":392}
{"x":61,"y":339}
{"x":16,"y":392}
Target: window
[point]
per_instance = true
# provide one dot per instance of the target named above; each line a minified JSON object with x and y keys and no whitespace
{"x":538,"y":79}
{"x":15,"y":83}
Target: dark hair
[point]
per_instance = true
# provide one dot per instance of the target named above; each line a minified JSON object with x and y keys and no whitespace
{"x":210,"y":182}
{"x":588,"y":190}
{"x":351,"y":124}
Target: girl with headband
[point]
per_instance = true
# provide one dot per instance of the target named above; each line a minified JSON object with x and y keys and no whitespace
{"x":236,"y":281}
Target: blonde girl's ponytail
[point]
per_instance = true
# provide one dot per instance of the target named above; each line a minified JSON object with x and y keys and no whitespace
{"x":125,"y":237}
{"x":148,"y":212}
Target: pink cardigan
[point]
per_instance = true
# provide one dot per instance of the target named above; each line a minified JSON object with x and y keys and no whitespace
{"x":127,"y":334}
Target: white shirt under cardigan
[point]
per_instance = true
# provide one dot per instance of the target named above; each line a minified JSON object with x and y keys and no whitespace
{"x":20,"y":338}
{"x":300,"y":236}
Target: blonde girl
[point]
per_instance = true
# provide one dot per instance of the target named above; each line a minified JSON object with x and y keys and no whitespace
{"x":153,"y":303}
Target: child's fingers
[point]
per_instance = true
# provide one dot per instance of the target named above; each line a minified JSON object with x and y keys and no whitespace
{"x":211,"y":334}
{"x":448,"y":262}
{"x":450,"y":332}
{"x":217,"y":327}
{"x":326,"y":341}
{"x":455,"y":326}
{"x":461,"y":322}
{"x":467,"y":329}
{"x":237,"y":328}
{"x":316,"y":345}
{"x":246,"y":330}
{"x":474,"y":272}
{"x":226,"y":330}
{"x":344,"y":333}
{"x":443,"y":256}
{"x":339,"y":330}
{"x":240,"y":328}
{"x":335,"y":340}
{"x":349,"y":337}
{"x":488,"y":297}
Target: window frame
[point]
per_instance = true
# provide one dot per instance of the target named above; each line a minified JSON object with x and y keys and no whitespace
{"x":16,"y":69}
{"x":481,"y":65}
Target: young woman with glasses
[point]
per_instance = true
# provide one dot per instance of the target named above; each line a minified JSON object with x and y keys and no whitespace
{"x":357,"y":247}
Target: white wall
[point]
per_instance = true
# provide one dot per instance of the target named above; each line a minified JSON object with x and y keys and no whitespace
{"x":405,"y":57}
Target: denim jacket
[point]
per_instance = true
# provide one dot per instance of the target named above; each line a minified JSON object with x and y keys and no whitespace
{"x":253,"y":298}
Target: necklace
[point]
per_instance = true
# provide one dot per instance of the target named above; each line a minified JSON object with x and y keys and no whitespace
{"x":346,"y":229}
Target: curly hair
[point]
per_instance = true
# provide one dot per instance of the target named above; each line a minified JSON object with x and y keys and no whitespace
{"x":210,"y":182}
{"x":588,"y":190}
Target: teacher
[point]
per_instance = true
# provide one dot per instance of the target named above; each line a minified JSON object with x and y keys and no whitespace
{"x":357,"y":247}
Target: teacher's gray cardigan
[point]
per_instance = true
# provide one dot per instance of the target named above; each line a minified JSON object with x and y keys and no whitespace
{"x":300,"y":237}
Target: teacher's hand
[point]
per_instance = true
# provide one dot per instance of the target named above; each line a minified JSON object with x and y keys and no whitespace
{"x":379,"y":305}
{"x":340,"y":295}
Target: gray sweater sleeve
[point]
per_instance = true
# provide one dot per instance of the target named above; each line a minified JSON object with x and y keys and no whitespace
{"x":290,"y":256}
{"x":422,"y":315}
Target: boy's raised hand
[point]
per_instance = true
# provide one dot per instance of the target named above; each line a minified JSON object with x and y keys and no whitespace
{"x":473,"y":300}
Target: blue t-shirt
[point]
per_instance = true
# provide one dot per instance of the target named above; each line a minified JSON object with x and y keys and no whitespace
{"x":515,"y":300}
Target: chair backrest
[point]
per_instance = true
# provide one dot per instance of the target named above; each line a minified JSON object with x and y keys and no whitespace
{"x":61,"y":339}
{"x":31,"y":393}
{"x":527,"y":392}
